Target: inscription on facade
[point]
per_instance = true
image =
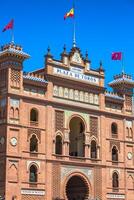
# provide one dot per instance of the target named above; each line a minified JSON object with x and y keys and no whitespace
{"x":33,"y":192}
{"x":115,"y":196}
{"x":76,"y":75}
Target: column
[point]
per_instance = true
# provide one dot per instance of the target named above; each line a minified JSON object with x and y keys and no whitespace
{"x":66,"y":143}
{"x":87,"y":145}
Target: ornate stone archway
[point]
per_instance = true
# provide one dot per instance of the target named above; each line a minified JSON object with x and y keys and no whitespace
{"x":77,"y":187}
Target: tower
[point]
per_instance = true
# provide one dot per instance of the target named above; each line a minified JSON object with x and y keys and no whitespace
{"x":11,"y":82}
{"x":123,"y":85}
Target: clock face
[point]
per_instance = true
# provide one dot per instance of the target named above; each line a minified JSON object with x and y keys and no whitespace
{"x":2,"y":140}
{"x":129,"y":156}
{"x":13,"y":141}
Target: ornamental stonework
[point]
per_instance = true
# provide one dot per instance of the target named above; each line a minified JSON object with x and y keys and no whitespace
{"x":13,"y":170}
{"x":32,"y":197}
{"x":15,"y":78}
{"x":97,"y":182}
{"x":59,"y":120}
{"x":93,"y":126}
{"x":32,"y":131}
{"x":128,"y":101}
{"x":114,"y":143}
{"x":67,"y":170}
{"x":56,"y":180}
{"x":75,"y":95}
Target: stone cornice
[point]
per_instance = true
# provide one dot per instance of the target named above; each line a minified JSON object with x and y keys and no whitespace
{"x":71,"y":82}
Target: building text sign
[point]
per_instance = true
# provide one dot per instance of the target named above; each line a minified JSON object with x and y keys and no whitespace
{"x":116,"y":196}
{"x":74,"y":73}
{"x":33,"y":192}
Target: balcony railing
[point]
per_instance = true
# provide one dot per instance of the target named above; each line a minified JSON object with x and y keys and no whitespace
{"x":115,"y":189}
{"x":33,"y":123}
{"x":114,"y":135}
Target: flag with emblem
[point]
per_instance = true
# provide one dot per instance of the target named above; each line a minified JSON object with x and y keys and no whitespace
{"x":117,"y":56}
{"x":8,"y":26}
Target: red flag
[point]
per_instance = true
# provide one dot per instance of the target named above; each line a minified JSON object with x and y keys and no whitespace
{"x":117,"y":56}
{"x":9,"y":26}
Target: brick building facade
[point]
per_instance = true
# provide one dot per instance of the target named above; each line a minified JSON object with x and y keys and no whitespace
{"x":62,"y":135}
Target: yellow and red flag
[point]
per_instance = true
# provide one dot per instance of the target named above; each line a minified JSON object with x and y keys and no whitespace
{"x":69,"y":14}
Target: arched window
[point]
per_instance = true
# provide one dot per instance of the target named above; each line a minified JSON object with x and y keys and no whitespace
{"x":58,"y":145}
{"x":76,"y":137}
{"x":114,"y":128}
{"x":115,"y":180}
{"x":34,"y":115}
{"x":114,"y":154}
{"x":93,"y":149}
{"x":33,"y":174}
{"x":11,"y":112}
{"x":16,"y":115}
{"x":33,"y":144}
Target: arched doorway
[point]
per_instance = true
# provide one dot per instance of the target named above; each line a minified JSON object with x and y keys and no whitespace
{"x":77,"y":188}
{"x":76,"y":137}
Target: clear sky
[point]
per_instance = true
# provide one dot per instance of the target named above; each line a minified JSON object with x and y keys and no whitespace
{"x":102,"y":27}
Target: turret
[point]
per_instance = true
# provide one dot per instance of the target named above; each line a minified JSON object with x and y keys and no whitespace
{"x":11,"y":64}
{"x":123,"y":85}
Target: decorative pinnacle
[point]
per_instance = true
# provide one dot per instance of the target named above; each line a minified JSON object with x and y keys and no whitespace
{"x":64,"y":48}
{"x":101,"y":64}
{"x":86,"y":55}
{"x":48,"y":51}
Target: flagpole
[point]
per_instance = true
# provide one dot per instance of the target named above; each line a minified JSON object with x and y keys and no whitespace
{"x":12,"y":35}
{"x":74,"y":36}
{"x":122,"y":62}
{"x":12,"y":32}
{"x":74,"y":27}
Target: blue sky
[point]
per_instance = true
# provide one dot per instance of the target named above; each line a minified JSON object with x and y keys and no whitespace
{"x":102,"y":27}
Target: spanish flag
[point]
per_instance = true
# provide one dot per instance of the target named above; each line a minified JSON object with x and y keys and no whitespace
{"x":69,"y":14}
